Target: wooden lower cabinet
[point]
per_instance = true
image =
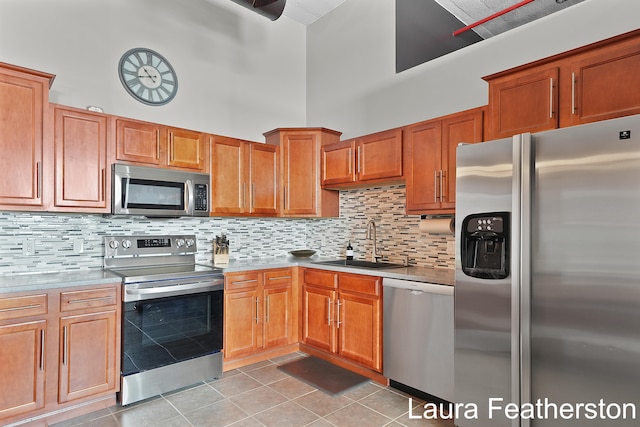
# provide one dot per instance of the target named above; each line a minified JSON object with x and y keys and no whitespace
{"x":59,"y":352}
{"x":342,"y":314}
{"x":259,"y":312}
{"x":22,"y":368}
{"x":87,"y":346}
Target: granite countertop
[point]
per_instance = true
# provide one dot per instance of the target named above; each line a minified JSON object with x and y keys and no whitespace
{"x":439,"y":276}
{"x":89,"y":277}
{"x":44,"y":281}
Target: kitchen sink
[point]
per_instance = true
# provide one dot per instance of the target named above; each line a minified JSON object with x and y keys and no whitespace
{"x":360,"y":264}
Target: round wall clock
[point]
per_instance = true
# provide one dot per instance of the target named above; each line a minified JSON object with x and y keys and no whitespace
{"x":148,"y":76}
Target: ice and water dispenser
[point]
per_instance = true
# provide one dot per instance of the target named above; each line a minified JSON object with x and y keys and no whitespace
{"x":485,"y":245}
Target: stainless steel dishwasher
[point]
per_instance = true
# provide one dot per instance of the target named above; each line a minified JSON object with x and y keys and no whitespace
{"x":418,"y":336}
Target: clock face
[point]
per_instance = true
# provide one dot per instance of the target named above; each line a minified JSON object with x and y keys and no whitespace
{"x":148,"y":76}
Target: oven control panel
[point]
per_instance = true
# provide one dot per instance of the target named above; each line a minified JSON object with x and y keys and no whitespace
{"x":137,"y":245}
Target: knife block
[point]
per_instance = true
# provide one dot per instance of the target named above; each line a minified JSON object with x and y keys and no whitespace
{"x":220,"y":254}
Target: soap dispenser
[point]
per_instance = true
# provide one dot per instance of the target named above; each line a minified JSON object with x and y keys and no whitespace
{"x":349,"y":252}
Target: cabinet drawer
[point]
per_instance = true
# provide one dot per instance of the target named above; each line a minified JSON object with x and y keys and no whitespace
{"x":360,"y":284}
{"x":242,"y":280}
{"x":92,"y":298}
{"x":327,"y":279}
{"x":22,"y":306}
{"x":277,"y":277}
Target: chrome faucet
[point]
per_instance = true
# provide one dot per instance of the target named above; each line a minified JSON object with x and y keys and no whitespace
{"x":371,"y":235}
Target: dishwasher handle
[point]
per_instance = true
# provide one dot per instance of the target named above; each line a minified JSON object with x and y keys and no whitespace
{"x":430,"y":288}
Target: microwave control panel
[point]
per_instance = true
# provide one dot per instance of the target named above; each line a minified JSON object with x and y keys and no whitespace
{"x":200,"y":197}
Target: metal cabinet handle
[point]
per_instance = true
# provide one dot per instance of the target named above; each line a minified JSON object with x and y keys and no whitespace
{"x":573,"y":93}
{"x":65,"y":346}
{"x":551,"y":98}
{"x":38,"y":179}
{"x":350,"y":160}
{"x":359,"y":153}
{"x":257,"y":311}
{"x":42,"y":334}
{"x":338,"y":322}
{"x":103,"y":186}
{"x":253,"y":195}
{"x":78,"y":301}
{"x":24,"y":307}
{"x":266,"y":315}
{"x":239,"y":282}
{"x":328,"y":311}
{"x":243,"y":197}
{"x":443,"y":187}
{"x":280,"y":278}
{"x":435,"y":186}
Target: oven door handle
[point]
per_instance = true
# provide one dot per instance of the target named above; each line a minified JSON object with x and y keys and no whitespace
{"x":137,"y":294}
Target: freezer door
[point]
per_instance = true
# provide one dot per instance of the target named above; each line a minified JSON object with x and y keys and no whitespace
{"x":585,"y":288}
{"x":483,"y":360}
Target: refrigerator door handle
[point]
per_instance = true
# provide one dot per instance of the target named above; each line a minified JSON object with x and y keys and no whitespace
{"x":521,"y":274}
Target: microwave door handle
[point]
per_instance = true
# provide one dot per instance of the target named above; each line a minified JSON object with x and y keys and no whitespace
{"x":187,"y":197}
{"x":126,"y":193}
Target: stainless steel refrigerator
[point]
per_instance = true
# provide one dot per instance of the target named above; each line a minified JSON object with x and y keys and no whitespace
{"x":547,"y":289}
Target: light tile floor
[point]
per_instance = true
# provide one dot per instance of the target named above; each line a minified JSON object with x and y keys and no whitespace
{"x":262,"y":395}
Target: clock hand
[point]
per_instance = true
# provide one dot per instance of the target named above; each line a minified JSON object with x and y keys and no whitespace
{"x":148,"y":75}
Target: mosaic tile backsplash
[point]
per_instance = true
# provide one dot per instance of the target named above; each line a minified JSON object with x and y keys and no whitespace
{"x":54,"y":235}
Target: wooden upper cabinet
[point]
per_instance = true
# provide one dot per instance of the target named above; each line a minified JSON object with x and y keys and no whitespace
{"x":431,"y":160}
{"x":263,"y":178}
{"x":301,"y":194}
{"x":379,"y":156}
{"x":424,"y":160}
{"x":363,"y":161}
{"x":24,"y":104}
{"x":338,"y":163}
{"x":80,"y":156}
{"x":524,"y":102}
{"x":138,"y":142}
{"x":187,"y":149}
{"x":153,"y":144}
{"x":244,"y":177}
{"x":605,"y":84}
{"x":591,"y":83}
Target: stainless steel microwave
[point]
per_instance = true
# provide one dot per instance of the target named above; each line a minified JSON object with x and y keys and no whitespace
{"x":156,"y":192}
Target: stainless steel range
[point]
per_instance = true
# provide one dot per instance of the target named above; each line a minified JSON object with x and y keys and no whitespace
{"x":172,"y":314}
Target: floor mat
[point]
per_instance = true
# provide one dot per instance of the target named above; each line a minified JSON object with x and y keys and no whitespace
{"x":323,"y":375}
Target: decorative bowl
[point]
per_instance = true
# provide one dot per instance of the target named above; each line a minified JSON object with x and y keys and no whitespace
{"x":302,"y":253}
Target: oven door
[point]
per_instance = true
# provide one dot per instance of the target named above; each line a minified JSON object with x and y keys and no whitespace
{"x":162,"y":331}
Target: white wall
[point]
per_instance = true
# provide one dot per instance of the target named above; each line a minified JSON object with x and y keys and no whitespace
{"x":239,"y":74}
{"x":351,"y":81}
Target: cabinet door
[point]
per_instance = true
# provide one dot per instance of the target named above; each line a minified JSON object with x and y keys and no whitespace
{"x":379,"y":156}
{"x":80,"y":144}
{"x":338,"y":163}
{"x":360,"y":329}
{"x":604,"y":85}
{"x":138,"y":142}
{"x":22,"y":371}
{"x":524,"y":102}
{"x":242,"y":324}
{"x":87,"y":355}
{"x":278,"y":310}
{"x":423,"y":155}
{"x":301,"y":173}
{"x":318,"y":328}
{"x":277,"y":316}
{"x":228,"y":175}
{"x":263,"y":179}
{"x":466,"y":128}
{"x":187,"y":149}
{"x":21,"y":140}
